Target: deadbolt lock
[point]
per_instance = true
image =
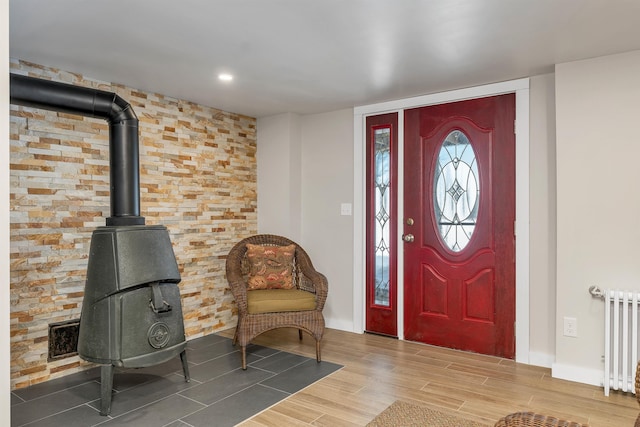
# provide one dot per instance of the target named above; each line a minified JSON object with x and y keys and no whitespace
{"x":409,"y":221}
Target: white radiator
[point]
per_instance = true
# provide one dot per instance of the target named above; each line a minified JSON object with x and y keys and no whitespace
{"x":621,"y":340}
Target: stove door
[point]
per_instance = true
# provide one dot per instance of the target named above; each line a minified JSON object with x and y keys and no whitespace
{"x":135,"y":328}
{"x":151,"y":325}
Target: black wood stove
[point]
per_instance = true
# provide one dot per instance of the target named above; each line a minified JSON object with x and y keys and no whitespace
{"x":131,"y":312}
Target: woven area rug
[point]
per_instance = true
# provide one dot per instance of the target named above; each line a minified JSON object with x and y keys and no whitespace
{"x":405,"y":414}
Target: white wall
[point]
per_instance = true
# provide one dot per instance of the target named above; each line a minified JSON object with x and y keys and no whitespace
{"x":5,"y":357}
{"x":327,"y":183}
{"x":542,"y":220}
{"x":279,"y":184}
{"x":598,"y":141}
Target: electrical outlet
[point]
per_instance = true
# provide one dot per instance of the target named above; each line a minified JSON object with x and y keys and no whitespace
{"x":570,"y":327}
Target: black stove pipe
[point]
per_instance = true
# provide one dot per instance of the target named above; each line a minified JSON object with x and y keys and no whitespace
{"x":123,"y":135}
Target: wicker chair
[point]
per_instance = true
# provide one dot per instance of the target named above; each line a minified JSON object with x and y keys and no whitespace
{"x":637,"y":388}
{"x":638,"y":382}
{"x":537,"y":420}
{"x":253,"y":322}
{"x":531,"y":419}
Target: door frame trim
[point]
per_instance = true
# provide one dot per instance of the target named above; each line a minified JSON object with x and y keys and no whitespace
{"x":521,"y":88}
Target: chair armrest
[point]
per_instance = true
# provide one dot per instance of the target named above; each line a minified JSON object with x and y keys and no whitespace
{"x":315,"y":282}
{"x":239,"y":291}
{"x":312,"y":280}
{"x":236,"y":280}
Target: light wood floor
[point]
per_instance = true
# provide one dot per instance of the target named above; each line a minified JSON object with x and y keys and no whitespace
{"x":379,"y":370}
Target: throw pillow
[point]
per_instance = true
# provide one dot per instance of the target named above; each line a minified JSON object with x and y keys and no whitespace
{"x":271,"y":267}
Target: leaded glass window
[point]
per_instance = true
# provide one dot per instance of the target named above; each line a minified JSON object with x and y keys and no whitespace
{"x":456,"y":191}
{"x":382,"y":182}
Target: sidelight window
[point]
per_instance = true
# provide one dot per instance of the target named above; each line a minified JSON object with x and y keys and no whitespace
{"x":382,"y":182}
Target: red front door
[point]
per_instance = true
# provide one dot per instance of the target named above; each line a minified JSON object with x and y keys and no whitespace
{"x":459,"y":213}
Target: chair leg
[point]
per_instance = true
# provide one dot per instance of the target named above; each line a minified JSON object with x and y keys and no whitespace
{"x":185,"y":366}
{"x":235,"y":337}
{"x":244,"y":357}
{"x":300,"y":334}
{"x":318,"y":350}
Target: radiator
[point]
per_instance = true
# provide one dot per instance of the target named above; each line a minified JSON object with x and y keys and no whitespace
{"x":621,"y":340}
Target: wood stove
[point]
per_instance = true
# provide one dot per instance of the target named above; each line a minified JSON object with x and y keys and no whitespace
{"x":131,"y":311}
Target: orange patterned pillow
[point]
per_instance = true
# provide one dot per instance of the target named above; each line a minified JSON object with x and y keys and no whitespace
{"x":271,"y":266}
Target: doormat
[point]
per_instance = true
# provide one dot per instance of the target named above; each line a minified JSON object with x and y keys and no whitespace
{"x":403,"y":414}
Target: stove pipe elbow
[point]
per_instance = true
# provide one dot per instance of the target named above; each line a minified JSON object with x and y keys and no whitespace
{"x":123,"y":134}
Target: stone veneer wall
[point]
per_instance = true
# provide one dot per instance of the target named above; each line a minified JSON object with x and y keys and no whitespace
{"x":198,"y":176}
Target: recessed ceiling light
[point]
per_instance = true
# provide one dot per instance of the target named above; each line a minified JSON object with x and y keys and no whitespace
{"x":225,"y":77}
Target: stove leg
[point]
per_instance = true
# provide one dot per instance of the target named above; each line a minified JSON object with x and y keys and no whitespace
{"x":106,"y":388}
{"x":185,"y":365}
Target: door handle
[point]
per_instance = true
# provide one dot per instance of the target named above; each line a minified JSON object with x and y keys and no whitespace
{"x":408,"y":238}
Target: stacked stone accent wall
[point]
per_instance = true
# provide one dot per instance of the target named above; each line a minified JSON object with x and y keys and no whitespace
{"x":198,"y":176}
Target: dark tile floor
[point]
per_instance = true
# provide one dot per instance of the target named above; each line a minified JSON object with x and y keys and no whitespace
{"x":220,"y":392}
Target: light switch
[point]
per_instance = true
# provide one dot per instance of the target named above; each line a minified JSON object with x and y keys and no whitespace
{"x":345,"y":209}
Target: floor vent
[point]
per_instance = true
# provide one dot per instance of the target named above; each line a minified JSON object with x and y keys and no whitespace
{"x":63,"y":339}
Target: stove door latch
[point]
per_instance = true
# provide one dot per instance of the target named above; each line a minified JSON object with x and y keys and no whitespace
{"x":157,"y":303}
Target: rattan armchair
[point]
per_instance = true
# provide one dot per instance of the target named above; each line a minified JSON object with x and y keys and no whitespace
{"x":531,"y":419}
{"x":306,"y":280}
{"x":637,"y":389}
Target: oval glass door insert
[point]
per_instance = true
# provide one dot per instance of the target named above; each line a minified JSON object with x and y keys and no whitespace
{"x":456,"y":191}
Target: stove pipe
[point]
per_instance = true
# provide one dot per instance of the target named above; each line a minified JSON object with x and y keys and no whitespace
{"x":123,"y":135}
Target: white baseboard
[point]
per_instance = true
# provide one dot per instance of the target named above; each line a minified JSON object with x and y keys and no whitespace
{"x":339,"y":324}
{"x":541,"y":359}
{"x":580,"y":375}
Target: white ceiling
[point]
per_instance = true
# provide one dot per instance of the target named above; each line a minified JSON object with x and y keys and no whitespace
{"x":311,"y":56}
